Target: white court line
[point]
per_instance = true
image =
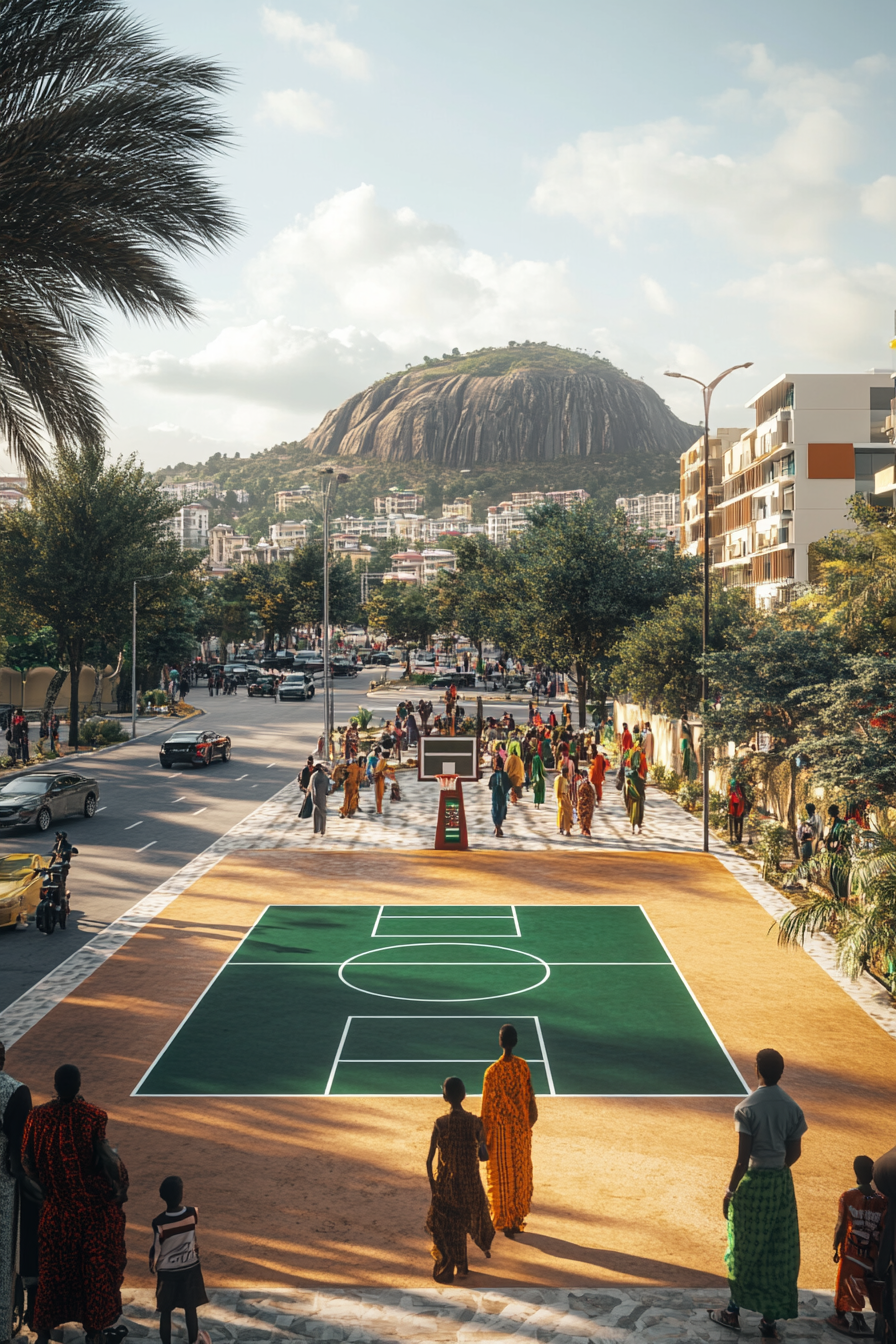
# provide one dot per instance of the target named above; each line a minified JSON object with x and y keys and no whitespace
{"x":348,"y":1023}
{"x":544,"y":1052}
{"x":720,"y":1042}
{"x":393,"y":965}
{"x":202,"y":809}
{"x":516,"y":921}
{"x":131,"y":827}
{"x":149,"y":846}
{"x":452,"y":1059}
{"x":353,"y":1096}
{"x":379,"y":915}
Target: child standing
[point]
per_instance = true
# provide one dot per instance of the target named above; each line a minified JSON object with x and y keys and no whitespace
{"x":174,"y":1255}
{"x":856,"y":1243}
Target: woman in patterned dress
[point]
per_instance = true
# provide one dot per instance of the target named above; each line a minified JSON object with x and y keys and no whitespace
{"x":18,"y":1215}
{"x":459,"y":1207}
{"x":81,"y":1230}
{"x":508,"y":1114}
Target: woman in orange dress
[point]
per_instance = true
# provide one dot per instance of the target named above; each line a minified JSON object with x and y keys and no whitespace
{"x":596,"y":774}
{"x":352,"y":785}
{"x":508,"y":1114}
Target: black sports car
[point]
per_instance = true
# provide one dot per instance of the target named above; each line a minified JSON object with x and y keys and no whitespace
{"x":193,"y":747}
{"x":261,"y":684}
{"x":40,"y":798}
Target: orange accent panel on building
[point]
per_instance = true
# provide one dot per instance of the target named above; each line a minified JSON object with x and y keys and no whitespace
{"x":831,"y":462}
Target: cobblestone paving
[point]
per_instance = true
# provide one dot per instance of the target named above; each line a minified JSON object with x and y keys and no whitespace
{"x":464,"y":1316}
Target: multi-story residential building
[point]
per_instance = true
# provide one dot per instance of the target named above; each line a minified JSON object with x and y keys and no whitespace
{"x":224,"y":544}
{"x":435,"y":561}
{"x":692,"y":482}
{"x":653,"y":513}
{"x":190,"y":527}
{"x":345,"y":547}
{"x":290,"y":533}
{"x":10,"y":498}
{"x":192,"y":490}
{"x":566,"y":498}
{"x":502,"y":520}
{"x":406,"y":527}
{"x":785,"y":483}
{"x":527,"y":499}
{"x":421,"y":566}
{"x":263,"y":553}
{"x":398,"y":501}
{"x":286,"y":499}
{"x":461,"y":508}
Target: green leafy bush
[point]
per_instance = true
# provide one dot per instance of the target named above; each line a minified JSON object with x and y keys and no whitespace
{"x":773,"y":843}
{"x":665,"y":779}
{"x":690,"y":795}
{"x":101,"y":732}
{"x":5,"y":762}
{"x":718,"y":809}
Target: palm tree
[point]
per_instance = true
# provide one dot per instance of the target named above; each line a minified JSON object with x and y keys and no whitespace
{"x":863,"y":923}
{"x":103,"y":134}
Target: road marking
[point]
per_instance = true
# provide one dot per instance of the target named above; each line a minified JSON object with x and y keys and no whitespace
{"x":239,"y":777}
{"x":100,"y":809}
{"x":181,"y":798}
{"x":149,"y":846}
{"x":131,"y":827}
{"x":202,"y":809}
{"x":271,"y":766}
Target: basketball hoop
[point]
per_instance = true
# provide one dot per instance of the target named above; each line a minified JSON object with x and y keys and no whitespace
{"x":447,"y":783}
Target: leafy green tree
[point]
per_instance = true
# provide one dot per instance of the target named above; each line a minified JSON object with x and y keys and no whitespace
{"x":855,"y":592}
{"x":95,"y":527}
{"x":270,"y":591}
{"x":103,"y":136}
{"x":465,"y":599}
{"x":306,"y":578}
{"x":573,"y":583}
{"x":658,"y":658}
{"x":403,"y":612}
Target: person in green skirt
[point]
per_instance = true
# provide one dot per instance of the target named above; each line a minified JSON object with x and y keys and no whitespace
{"x":763,"y":1255}
{"x":537,"y":780}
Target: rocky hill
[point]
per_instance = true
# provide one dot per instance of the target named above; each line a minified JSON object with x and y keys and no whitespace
{"x":496,"y":407}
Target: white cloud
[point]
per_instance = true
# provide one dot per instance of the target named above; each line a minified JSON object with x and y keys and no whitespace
{"x":317,"y":42}
{"x":818,"y":309}
{"x":879,"y":200}
{"x":411,"y":280}
{"x":782,"y":199}
{"x":298,"y":109}
{"x":656,"y":296}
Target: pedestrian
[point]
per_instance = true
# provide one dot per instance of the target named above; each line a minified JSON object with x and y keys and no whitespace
{"x":382,"y":768}
{"x":397,"y":736}
{"x":585,"y":801}
{"x":54,"y":732}
{"x":884,"y":1177}
{"x":537,"y":779}
{"x":634,"y":769}
{"x":686,"y":748}
{"x":806,"y":834}
{"x":459,"y":1207}
{"x":596,"y":772}
{"x":763,"y":1256}
{"x":737,"y":806}
{"x":211,"y":682}
{"x":24,"y":742}
{"x":515,"y":771}
{"x":499,"y":784}
{"x":508,"y":1114}
{"x":566,"y":715}
{"x":174,"y":1256}
{"x":81,"y":1228}
{"x":861,"y":1214}
{"x":836,"y":842}
{"x":564,"y":803}
{"x":625,"y":740}
{"x":647,"y":743}
{"x":305,"y":775}
{"x":351,"y":788}
{"x":18,"y":1212}
{"x":320,"y":788}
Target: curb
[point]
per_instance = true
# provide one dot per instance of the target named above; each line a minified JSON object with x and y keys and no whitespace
{"x":98,"y":751}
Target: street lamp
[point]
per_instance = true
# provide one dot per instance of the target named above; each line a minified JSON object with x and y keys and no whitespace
{"x":708,"y":389}
{"x":330,"y":483}
{"x":142,"y":578}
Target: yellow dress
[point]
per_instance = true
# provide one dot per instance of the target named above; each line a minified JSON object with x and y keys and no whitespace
{"x":506,"y":1094}
{"x":564,"y":803}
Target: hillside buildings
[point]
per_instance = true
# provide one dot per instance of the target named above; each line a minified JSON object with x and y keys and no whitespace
{"x":286,"y":500}
{"x":398,"y":501}
{"x":653,"y":513}
{"x":189,"y":527}
{"x":14,"y":492}
{"x":512,"y":515}
{"x":785,"y":483}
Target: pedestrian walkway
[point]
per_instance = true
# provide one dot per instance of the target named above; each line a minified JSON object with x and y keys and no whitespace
{"x":463,"y":1316}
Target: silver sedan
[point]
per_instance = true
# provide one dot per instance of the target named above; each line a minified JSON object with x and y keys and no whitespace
{"x":40,"y":798}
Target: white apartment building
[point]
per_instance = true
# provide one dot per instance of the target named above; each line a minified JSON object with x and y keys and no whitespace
{"x":290,"y":533}
{"x":530,"y":499}
{"x":692,"y":479}
{"x":286,"y":499}
{"x":461,"y":508}
{"x":818,"y":439}
{"x":421,"y":567}
{"x":406,"y":527}
{"x":190,"y":527}
{"x":502,"y":520}
{"x":653,"y":513}
{"x":527,"y":499}
{"x":398,"y":501}
{"x":191,"y":490}
{"x":224,"y":544}
{"x":11,"y":498}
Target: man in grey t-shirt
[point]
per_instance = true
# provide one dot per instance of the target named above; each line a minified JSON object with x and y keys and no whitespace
{"x":763,"y":1255}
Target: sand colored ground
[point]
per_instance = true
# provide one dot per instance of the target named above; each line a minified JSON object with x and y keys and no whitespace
{"x":333,"y":1191}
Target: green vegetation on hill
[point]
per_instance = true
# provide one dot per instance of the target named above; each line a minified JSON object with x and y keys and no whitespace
{"x":496,"y":361}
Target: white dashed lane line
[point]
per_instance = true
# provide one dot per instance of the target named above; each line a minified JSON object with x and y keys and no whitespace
{"x":239,"y":777}
{"x":149,"y":846}
{"x":202,"y":809}
{"x":100,"y":809}
{"x":181,"y":798}
{"x":131,"y":827}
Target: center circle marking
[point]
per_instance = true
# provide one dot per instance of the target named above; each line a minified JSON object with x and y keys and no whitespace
{"x":479,"y":998}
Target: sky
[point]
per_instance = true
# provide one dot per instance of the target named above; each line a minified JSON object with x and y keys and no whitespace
{"x":684,"y":187}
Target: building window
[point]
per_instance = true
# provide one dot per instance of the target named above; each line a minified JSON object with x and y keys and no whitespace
{"x":880,"y":399}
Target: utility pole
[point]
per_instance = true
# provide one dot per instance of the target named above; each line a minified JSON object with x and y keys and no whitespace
{"x":330,"y":483}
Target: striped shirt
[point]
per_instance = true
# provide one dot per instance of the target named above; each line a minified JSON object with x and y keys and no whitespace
{"x":174,"y":1240}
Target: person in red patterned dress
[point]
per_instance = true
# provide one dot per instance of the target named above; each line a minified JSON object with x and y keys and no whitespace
{"x":82,"y":1224}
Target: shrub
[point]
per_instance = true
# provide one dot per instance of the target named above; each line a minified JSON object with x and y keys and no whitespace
{"x":666,"y":779}
{"x":718,"y":809}
{"x":5,"y":762}
{"x":690,"y":795}
{"x":102,"y":732}
{"x":773,"y":842}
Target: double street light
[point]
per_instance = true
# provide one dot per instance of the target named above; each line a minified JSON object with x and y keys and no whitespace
{"x":330,"y":481}
{"x":708,"y":389}
{"x":142,"y":578}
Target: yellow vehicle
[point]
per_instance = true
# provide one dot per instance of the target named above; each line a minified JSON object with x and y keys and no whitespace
{"x":20,"y":886}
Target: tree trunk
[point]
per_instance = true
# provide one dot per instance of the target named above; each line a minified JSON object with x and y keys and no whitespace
{"x":75,"y":663}
{"x":480,"y":665}
{"x":581,"y":692}
{"x":791,"y":807}
{"x":53,"y":690}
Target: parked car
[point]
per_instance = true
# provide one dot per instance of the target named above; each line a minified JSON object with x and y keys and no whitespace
{"x":193,"y":747}
{"x":262,"y":683}
{"x":308,"y":660}
{"x":343,"y":667}
{"x":20,"y":887}
{"x":446,"y":679}
{"x":39,"y":798}
{"x":382,"y":658}
{"x":296,"y":686}
{"x":239,"y":672}
{"x":283,"y":658}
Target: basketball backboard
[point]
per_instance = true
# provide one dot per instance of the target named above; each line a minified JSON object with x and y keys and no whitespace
{"x":448,"y":756}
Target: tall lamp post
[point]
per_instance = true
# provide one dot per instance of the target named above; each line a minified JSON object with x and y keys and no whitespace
{"x":143,"y":578}
{"x":708,"y":389}
{"x":329,"y":484}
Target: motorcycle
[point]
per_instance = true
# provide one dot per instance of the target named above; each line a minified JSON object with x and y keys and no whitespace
{"x":53,"y":906}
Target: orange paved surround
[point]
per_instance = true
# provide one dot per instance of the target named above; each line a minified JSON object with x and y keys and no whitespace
{"x":310,"y":1191}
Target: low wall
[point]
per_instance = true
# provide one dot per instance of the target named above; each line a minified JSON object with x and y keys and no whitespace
{"x":28,"y":692}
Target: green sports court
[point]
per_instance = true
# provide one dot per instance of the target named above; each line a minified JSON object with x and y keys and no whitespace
{"x":342,"y":1000}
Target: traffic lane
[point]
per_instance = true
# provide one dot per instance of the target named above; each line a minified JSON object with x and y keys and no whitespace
{"x":151,"y":823}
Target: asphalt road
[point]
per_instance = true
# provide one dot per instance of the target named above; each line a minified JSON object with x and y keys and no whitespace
{"x":151,"y":821}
